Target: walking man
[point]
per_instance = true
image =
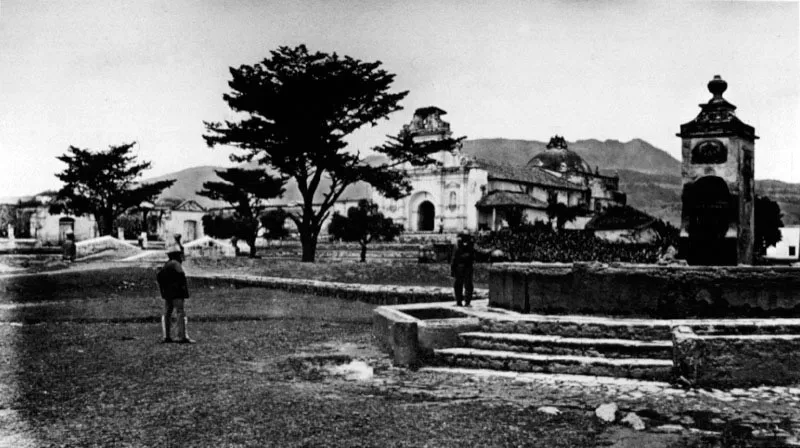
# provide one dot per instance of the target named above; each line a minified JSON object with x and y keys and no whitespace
{"x":461,"y":269}
{"x":174,"y":291}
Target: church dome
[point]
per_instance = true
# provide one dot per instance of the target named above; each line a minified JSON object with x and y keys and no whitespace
{"x":558,"y":157}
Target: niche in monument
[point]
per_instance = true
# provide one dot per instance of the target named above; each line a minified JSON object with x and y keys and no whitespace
{"x":711,"y":211}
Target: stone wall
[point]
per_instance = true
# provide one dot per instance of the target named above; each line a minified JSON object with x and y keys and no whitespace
{"x":736,"y":361}
{"x":646,"y":290}
{"x":95,"y":245}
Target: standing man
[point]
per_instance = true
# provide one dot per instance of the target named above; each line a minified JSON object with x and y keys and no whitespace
{"x":174,"y":291}
{"x":69,"y":250}
{"x":461,"y":269}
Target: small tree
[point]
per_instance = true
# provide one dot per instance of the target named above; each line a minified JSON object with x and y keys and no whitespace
{"x":561,"y":213}
{"x":247,"y":191}
{"x":515,"y":216}
{"x":363,"y":224}
{"x":297,"y":109}
{"x":273,"y":223}
{"x":103,"y":184}
{"x":767,"y":223}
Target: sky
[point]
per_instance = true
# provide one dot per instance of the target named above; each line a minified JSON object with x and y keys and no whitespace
{"x":97,"y":73}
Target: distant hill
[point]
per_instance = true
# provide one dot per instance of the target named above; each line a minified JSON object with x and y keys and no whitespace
{"x":649,"y":176}
{"x":188,"y":182}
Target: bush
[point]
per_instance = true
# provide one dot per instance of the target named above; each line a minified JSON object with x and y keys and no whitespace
{"x":543,"y":244}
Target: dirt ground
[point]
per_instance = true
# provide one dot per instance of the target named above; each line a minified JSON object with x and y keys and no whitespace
{"x":82,"y":366}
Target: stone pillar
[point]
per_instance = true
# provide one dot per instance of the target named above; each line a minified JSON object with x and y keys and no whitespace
{"x":12,"y":243}
{"x":143,"y":240}
{"x":718,"y":185}
{"x":120,"y":234}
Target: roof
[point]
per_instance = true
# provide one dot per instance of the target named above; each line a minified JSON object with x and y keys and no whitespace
{"x":619,"y":218}
{"x":717,"y":117}
{"x":509,"y":198}
{"x":530,"y":175}
{"x":558,"y":157}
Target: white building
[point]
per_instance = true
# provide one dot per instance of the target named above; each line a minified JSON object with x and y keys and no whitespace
{"x":469,"y":193}
{"x":787,"y":248}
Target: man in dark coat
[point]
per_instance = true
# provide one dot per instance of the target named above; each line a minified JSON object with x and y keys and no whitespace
{"x":461,"y":269}
{"x":174,"y":291}
{"x":69,"y":250}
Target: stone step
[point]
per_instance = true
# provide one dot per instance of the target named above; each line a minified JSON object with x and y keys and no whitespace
{"x":638,"y":368}
{"x":558,"y":345}
{"x":632,"y":328}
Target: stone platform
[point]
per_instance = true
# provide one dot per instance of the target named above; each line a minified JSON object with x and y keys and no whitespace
{"x":485,"y":337}
{"x":630,"y":290}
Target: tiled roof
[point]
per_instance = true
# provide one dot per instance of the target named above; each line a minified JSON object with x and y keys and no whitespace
{"x":509,"y":198}
{"x":530,"y":175}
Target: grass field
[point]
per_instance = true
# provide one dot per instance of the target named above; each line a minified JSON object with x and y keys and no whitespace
{"x":82,"y":367}
{"x":403,"y":273}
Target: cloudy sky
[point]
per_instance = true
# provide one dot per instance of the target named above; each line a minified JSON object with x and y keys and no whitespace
{"x":98,"y":73}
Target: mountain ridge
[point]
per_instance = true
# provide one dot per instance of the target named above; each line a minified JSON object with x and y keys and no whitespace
{"x":649,"y":175}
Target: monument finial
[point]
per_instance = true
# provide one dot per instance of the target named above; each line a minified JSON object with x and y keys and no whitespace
{"x":717,"y":87}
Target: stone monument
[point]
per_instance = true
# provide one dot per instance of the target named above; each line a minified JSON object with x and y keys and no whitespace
{"x":718,"y":186}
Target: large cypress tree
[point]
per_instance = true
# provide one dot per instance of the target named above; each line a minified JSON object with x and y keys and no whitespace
{"x":297,"y":108}
{"x":103,"y":184}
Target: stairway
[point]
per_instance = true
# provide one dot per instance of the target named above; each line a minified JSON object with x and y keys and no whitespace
{"x":567,"y":348}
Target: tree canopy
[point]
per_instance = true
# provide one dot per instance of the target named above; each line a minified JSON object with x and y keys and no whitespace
{"x":296,"y":109}
{"x":767,"y":223}
{"x":273,"y":223}
{"x":247,"y":191}
{"x":562,"y":213}
{"x":103,"y":184}
{"x":363,"y":224}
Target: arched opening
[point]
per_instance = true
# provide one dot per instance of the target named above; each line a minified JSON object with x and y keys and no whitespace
{"x":426,"y":217}
{"x":710,"y":213}
{"x":65,"y":226}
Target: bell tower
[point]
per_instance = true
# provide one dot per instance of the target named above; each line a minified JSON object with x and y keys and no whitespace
{"x":718,"y":185}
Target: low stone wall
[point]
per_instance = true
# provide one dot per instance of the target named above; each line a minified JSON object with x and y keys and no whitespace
{"x":646,"y":290}
{"x":342,"y":251}
{"x":374,"y":294}
{"x":95,"y":245}
{"x":396,"y":333}
{"x":725,"y":361}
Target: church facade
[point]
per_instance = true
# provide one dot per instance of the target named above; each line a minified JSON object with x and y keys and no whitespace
{"x":467,"y":193}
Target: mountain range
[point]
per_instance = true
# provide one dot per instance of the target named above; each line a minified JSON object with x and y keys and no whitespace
{"x":649,"y":175}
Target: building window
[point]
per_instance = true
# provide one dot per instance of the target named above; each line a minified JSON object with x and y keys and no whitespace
{"x":792,"y":251}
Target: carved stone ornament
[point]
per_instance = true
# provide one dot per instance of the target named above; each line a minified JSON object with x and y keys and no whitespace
{"x":709,"y":151}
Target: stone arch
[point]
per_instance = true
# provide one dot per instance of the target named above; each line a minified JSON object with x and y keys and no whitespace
{"x":422,"y":212}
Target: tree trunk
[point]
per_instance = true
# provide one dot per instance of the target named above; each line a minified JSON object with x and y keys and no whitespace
{"x":252,"y":242}
{"x":363,"y":252}
{"x":309,"y":241}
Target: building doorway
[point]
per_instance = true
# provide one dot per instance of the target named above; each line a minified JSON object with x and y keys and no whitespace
{"x":65,"y":226}
{"x":426,"y":217}
{"x":190,"y":230}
